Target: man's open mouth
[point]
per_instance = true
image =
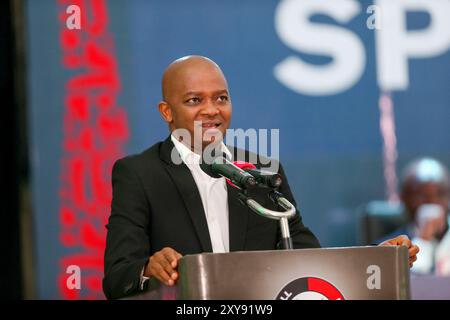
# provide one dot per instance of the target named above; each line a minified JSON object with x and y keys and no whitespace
{"x":211,"y":125}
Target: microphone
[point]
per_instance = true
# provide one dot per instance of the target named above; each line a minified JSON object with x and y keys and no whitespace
{"x":221,"y":166}
{"x":267,"y":178}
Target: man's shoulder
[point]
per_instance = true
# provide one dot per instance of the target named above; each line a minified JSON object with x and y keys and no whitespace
{"x":142,"y":159}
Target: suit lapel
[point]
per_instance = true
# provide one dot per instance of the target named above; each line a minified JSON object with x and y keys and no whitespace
{"x":237,"y":216}
{"x":185,"y":183}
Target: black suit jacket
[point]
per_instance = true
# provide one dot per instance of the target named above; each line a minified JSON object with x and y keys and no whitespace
{"x":156,"y":204}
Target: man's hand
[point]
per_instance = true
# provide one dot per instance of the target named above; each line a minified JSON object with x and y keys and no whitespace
{"x":163,"y":265}
{"x":431,"y":221}
{"x":404,"y":241}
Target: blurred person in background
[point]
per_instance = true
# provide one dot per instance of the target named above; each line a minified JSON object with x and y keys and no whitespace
{"x":425,"y":194}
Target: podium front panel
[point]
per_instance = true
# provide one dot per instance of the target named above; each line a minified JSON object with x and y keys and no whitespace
{"x":329,"y":273}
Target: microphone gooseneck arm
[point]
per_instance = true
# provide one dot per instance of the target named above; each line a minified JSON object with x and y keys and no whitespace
{"x":244,"y":180}
{"x":282,"y":216}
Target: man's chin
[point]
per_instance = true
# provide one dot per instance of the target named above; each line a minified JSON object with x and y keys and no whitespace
{"x":212,"y":136}
{"x":211,"y":142}
{"x":211,"y":132}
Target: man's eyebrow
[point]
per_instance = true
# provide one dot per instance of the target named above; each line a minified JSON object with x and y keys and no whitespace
{"x":198,"y":93}
{"x":192,"y":93}
{"x":221,"y":91}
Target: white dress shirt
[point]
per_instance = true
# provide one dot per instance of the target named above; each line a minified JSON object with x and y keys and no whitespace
{"x":213,"y":192}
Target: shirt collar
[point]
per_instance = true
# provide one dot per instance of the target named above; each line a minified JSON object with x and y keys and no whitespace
{"x":190,"y":157}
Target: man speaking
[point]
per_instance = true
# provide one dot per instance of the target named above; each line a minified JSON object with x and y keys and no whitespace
{"x":163,"y":209}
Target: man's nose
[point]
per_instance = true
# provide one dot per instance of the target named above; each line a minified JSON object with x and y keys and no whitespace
{"x":210,"y":109}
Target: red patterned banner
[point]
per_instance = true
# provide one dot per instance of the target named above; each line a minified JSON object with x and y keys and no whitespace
{"x":95,"y":132}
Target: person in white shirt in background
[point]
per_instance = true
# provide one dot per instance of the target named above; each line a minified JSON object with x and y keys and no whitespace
{"x":426,"y":194}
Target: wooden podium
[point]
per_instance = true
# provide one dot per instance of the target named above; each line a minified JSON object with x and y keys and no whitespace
{"x":330,"y":273}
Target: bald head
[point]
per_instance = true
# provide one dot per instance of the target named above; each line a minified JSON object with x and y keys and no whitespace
{"x":181,"y":70}
{"x":426,"y":170}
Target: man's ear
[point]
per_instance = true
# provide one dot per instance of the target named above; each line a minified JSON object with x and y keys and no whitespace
{"x":165,"y":111}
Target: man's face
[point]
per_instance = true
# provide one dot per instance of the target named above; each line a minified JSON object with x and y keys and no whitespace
{"x":199,"y":93}
{"x":416,"y":194}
